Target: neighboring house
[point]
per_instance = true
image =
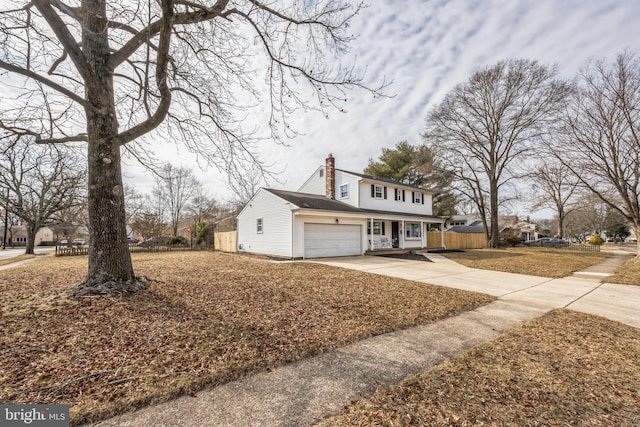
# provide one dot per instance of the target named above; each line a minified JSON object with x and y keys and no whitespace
{"x":511,"y":226}
{"x":463,"y":220}
{"x":17,"y":235}
{"x":336,"y":213}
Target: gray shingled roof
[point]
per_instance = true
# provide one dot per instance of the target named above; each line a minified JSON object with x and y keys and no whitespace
{"x":321,"y":202}
{"x":467,"y":229}
{"x":313,"y":201}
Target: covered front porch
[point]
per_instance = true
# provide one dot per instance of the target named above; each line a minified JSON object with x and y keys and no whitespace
{"x":389,"y":233}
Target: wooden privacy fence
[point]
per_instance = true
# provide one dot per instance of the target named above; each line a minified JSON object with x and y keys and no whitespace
{"x":226,"y":241}
{"x":456,"y":240}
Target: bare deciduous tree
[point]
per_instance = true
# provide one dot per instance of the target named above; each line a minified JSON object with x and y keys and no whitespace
{"x":148,"y":224}
{"x":555,"y":187}
{"x":39,"y":182}
{"x":175,"y":187}
{"x":187,"y":70}
{"x":485,"y":126}
{"x":601,"y":139}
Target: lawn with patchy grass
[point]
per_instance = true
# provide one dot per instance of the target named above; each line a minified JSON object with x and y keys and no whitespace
{"x":627,"y":274}
{"x":207,"y":319}
{"x":542,"y":262}
{"x":565,"y":368}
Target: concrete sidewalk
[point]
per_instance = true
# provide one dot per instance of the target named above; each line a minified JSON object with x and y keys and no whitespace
{"x":306,"y":391}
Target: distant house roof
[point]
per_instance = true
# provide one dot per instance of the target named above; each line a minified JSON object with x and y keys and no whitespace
{"x":321,"y":202}
{"x":467,"y":229}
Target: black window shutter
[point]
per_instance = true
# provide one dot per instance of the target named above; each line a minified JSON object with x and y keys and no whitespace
{"x":413,"y":197}
{"x":383,"y":233}
{"x":395,"y":194}
{"x":385,"y":192}
{"x":403,"y":195}
{"x":373,"y":191}
{"x":422,"y":197}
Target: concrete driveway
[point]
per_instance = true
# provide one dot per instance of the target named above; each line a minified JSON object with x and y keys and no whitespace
{"x":585,"y":294}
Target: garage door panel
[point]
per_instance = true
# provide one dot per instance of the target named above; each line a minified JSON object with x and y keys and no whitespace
{"x":327,"y":240}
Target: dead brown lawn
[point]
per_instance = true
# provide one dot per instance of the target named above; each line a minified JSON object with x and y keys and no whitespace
{"x":18,"y":258}
{"x":210,"y":318}
{"x":532,"y":261}
{"x":627,"y":274}
{"x":565,"y":368}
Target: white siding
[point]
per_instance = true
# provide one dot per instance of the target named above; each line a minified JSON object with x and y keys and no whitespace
{"x":390,"y":204}
{"x":343,"y":178}
{"x":276,"y":236}
{"x":316,"y":184}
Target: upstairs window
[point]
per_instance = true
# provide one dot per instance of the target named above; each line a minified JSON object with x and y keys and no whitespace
{"x":259,"y":226}
{"x":378,"y":192}
{"x":398,"y":195}
{"x":344,"y":191}
{"x":418,"y":197}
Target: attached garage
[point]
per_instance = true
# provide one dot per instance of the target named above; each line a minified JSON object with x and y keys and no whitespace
{"x":329,"y":240}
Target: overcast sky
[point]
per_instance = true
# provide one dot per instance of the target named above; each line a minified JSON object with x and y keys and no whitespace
{"x":427,"y":47}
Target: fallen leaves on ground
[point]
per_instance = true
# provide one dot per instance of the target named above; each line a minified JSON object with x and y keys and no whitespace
{"x":208,"y":318}
{"x":566,"y":368}
{"x":627,"y":274}
{"x":531,"y":261}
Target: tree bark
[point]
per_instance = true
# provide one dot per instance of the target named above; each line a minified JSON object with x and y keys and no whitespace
{"x":494,"y":242}
{"x":31,"y":237}
{"x":110,"y":267}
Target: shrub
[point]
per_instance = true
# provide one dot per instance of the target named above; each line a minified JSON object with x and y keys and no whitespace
{"x":595,"y":240}
{"x":514,"y":240}
{"x":176,"y":240}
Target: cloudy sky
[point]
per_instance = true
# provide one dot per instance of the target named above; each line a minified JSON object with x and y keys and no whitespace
{"x":426,"y":47}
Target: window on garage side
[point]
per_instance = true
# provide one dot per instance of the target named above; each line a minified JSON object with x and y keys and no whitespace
{"x":259,"y":226}
{"x":413,"y":230}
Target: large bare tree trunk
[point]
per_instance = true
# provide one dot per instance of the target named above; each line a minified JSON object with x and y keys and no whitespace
{"x":32,"y":229}
{"x":494,"y":242}
{"x":110,"y":267}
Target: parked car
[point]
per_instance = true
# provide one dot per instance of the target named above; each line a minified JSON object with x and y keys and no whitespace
{"x":63,"y":242}
{"x":132,"y":240}
{"x":79,"y":242}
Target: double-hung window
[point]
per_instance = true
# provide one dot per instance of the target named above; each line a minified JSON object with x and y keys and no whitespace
{"x":378,"y":192}
{"x":417,"y":197}
{"x":344,"y":191}
{"x":259,"y":226}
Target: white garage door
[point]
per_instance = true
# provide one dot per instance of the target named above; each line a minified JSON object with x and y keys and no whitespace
{"x":327,"y":240}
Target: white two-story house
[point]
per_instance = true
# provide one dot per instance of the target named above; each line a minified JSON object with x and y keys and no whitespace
{"x":337,"y":213}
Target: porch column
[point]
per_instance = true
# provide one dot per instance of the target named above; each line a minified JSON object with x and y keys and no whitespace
{"x":370,"y":236}
{"x":402,"y":231}
{"x":442,"y":235}
{"x":423,"y":235}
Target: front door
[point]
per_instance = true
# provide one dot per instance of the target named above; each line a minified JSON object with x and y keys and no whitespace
{"x":395,"y":234}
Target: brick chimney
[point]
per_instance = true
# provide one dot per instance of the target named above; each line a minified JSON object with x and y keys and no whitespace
{"x":330,"y":177}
